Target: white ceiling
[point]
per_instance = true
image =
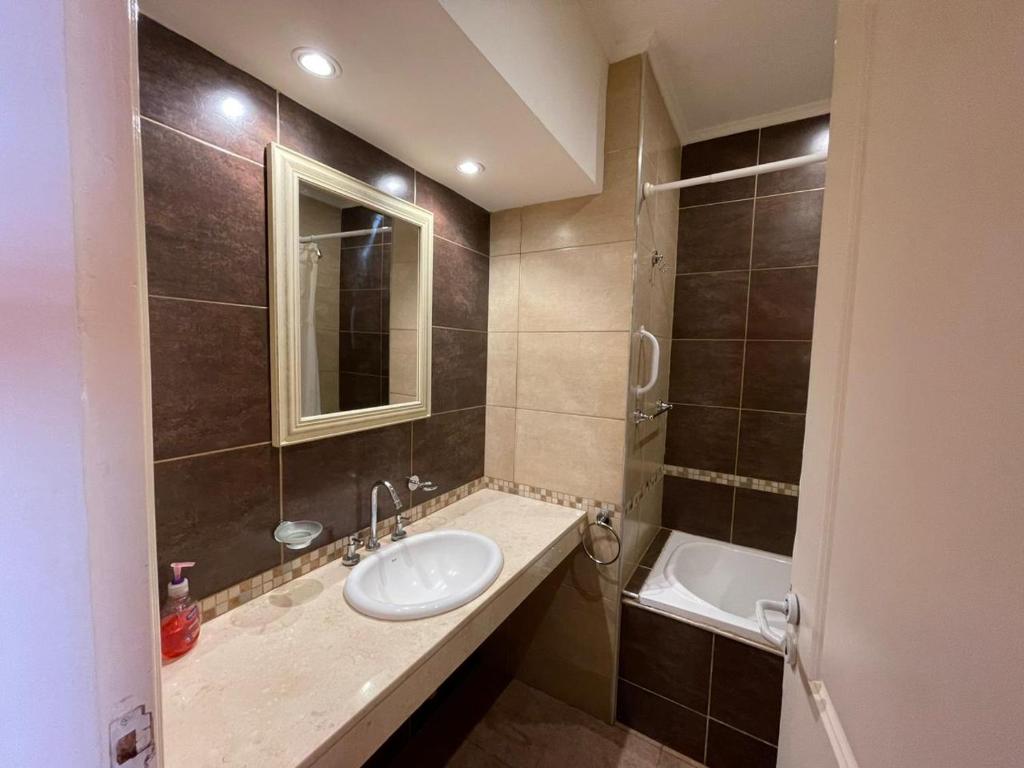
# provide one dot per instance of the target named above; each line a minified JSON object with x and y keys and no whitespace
{"x":412,"y":83}
{"x":726,"y":65}
{"x":436,"y":81}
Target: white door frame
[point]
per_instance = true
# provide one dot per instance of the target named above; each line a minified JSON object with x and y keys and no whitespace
{"x":78,"y":554}
{"x":806,"y":717}
{"x":930,"y":488}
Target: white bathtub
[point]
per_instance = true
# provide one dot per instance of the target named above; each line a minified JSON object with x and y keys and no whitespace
{"x":716,"y":584}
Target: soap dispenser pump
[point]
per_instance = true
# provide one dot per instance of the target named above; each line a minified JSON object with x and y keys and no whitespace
{"x":180,"y":617}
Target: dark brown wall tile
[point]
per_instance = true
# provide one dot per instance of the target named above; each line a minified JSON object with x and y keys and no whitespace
{"x":665,"y":656}
{"x":385,"y":356}
{"x":455,"y":218}
{"x":360,"y":310}
{"x":185,"y":87}
{"x":723,"y":154}
{"x":360,"y":391}
{"x":715,"y":237}
{"x":782,"y":303}
{"x":771,"y":446}
{"x":780,"y":142}
{"x":697,"y":507}
{"x":679,"y":728}
{"x":636,"y":581}
{"x":206,"y":239}
{"x":654,"y":548}
{"x":706,"y":372}
{"x":775,"y":375}
{"x":205,"y":231}
{"x":787,"y":230}
{"x":360,"y":353}
{"x":460,"y":286}
{"x":448,"y":449}
{"x":362,"y":267}
{"x":211,"y":378}
{"x":219,"y":510}
{"x":728,"y":748}
{"x":361,"y":217}
{"x":747,"y":688}
{"x":710,"y":306}
{"x":330,"y":480}
{"x":459,"y":369}
{"x":764,"y":521}
{"x":319,"y":138}
{"x":702,"y":438}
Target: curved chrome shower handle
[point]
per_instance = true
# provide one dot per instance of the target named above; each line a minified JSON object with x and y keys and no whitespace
{"x":652,"y":377}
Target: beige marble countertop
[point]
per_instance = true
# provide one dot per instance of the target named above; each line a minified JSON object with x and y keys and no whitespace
{"x":282,"y":678}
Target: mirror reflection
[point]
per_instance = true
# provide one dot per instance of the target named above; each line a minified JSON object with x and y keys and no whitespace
{"x":358,"y":304}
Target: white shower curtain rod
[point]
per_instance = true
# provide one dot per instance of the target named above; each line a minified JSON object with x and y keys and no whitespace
{"x":739,"y":173}
{"x":336,"y":235}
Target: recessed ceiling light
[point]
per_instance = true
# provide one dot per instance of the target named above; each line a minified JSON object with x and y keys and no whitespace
{"x":316,"y":63}
{"x":470,"y":167}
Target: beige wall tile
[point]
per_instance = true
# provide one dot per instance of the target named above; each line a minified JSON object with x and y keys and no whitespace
{"x":501,"y":368}
{"x":404,"y":283}
{"x":605,"y":218}
{"x":580,"y":455}
{"x":574,"y":617}
{"x":500,"y":442}
{"x":663,"y":291}
{"x":402,"y":362}
{"x":563,"y":678}
{"x":506,"y":231}
{"x":503,"y":294}
{"x":622,"y":108}
{"x":577,"y":289}
{"x":562,"y":641}
{"x":329,"y":391}
{"x":327,"y":350}
{"x":575,"y":372}
{"x":659,"y":131}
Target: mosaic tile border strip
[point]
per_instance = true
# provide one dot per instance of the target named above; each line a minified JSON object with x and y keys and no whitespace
{"x":553,"y":497}
{"x":221,"y":602}
{"x":737,"y":481}
{"x":652,"y":481}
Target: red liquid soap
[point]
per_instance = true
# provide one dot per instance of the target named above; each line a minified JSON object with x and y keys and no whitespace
{"x":179,"y":618}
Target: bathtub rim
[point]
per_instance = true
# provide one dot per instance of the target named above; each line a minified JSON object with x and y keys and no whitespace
{"x":693,"y":614}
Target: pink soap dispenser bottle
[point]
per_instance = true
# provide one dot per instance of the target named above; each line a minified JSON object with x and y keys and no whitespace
{"x":179,"y":618}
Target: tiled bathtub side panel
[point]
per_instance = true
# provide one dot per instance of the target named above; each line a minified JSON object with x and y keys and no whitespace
{"x":706,"y":696}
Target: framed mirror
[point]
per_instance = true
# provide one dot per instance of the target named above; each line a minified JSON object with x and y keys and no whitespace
{"x":350,"y":288}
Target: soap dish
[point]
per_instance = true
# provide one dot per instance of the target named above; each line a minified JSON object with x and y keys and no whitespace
{"x":298,"y":534}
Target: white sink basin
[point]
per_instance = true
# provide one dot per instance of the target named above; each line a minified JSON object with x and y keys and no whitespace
{"x":424,"y":575}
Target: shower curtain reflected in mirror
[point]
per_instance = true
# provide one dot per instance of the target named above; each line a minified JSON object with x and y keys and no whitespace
{"x":309,"y":376}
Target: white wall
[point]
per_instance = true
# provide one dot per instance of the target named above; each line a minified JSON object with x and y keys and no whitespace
{"x":46,"y":617}
{"x":76,"y":622}
{"x":549,"y":55}
{"x":921,"y":622}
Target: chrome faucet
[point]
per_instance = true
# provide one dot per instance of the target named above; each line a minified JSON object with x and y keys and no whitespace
{"x":373,"y":542}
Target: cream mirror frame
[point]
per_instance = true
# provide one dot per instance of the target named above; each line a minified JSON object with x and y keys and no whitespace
{"x":287,"y":171}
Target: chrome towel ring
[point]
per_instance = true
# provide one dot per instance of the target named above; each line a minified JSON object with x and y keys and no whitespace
{"x":603,"y":520}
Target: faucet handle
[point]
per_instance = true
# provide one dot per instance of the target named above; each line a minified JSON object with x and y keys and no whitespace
{"x":424,"y":485}
{"x":351,"y":557}
{"x":400,"y":532}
